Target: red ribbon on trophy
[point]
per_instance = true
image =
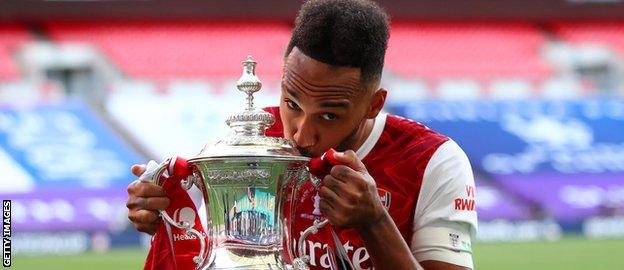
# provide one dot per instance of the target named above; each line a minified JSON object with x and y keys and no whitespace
{"x":171,"y":247}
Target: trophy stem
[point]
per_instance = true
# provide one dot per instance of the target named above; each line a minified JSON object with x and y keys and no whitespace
{"x":250,"y":105}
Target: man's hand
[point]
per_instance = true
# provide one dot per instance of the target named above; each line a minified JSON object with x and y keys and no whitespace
{"x":349,"y":194}
{"x":349,"y":198}
{"x":144,"y":199}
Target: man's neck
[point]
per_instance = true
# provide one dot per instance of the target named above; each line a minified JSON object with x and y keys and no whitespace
{"x":363,"y":133}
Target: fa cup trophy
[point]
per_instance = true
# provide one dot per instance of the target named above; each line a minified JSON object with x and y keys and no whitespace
{"x":249,"y":184}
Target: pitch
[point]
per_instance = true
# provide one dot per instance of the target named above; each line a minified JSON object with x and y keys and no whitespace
{"x":570,"y":253}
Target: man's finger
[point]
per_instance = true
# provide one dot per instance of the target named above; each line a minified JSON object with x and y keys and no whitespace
{"x":137,"y":169}
{"x":337,"y":185}
{"x":344,"y":174}
{"x":156,"y":203}
{"x":143,"y":216}
{"x":332,"y":198}
{"x":328,"y":210}
{"x":147,"y":228}
{"x":145,"y":189}
{"x":329,"y":195}
{"x":350,"y":159}
{"x":148,"y":203}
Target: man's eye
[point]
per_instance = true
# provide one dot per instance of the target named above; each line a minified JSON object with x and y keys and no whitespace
{"x":292,"y":105}
{"x":329,"y":116}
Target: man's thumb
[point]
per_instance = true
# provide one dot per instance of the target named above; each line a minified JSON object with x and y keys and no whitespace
{"x":350,"y":159}
{"x":137,"y":169}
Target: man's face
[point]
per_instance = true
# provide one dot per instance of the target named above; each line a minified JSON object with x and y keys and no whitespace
{"x":322,"y":106}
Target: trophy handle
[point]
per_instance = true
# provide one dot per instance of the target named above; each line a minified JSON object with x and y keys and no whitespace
{"x":319,"y":166}
{"x":152,"y":175}
{"x":301,"y":262}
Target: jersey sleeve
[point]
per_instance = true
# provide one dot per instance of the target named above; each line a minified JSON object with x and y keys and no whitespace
{"x":445,"y":219}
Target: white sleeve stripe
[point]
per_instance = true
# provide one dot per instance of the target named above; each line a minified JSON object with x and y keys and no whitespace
{"x":451,"y":245}
{"x":453,"y":239}
{"x":456,"y":258}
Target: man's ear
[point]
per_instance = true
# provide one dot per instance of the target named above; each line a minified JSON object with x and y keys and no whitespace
{"x":377,"y":103}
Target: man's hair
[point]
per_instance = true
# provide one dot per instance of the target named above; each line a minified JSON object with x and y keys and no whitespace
{"x":352,"y":33}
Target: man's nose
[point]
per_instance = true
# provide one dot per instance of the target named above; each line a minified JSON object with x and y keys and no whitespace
{"x":305,"y":135}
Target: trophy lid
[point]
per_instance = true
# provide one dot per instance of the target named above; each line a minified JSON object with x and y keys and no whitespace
{"x":248,"y":138}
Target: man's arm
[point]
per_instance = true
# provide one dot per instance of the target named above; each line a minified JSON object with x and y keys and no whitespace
{"x":350,"y":199}
{"x":388,"y":250}
{"x":445,"y":218}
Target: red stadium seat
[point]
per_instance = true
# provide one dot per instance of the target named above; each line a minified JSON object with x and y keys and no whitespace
{"x":182,"y":50}
{"x":8,"y":68}
{"x":11,"y":37}
{"x":604,"y":33}
{"x":466,"y":50}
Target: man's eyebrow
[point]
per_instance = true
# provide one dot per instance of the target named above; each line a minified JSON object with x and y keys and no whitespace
{"x":291,"y":92}
{"x":335,"y":104}
{"x":325,"y":104}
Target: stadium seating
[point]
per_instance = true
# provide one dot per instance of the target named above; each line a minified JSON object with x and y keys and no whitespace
{"x":435,"y":52}
{"x":605,"y":33}
{"x":8,"y":70}
{"x":432,"y":53}
{"x":11,"y":37}
{"x":181,"y":50}
{"x":468,"y":50}
{"x":197,"y":50}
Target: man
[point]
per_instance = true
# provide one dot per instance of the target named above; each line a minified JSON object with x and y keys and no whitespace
{"x":331,"y":98}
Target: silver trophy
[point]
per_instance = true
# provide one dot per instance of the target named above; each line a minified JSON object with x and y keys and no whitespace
{"x":249,"y":184}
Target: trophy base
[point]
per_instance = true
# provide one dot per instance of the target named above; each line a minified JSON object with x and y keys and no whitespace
{"x":230,"y":258}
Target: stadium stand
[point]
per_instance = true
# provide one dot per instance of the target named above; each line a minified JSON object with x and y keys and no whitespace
{"x":11,"y":37}
{"x":429,"y":51}
{"x":155,"y":50}
{"x":473,"y":50}
{"x":605,"y":33}
{"x":8,"y":70}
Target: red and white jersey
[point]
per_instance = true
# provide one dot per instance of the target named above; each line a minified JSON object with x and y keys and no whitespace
{"x":424,"y":180}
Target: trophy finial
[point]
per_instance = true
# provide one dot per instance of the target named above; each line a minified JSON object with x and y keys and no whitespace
{"x":251,"y":121}
{"x":249,"y":82}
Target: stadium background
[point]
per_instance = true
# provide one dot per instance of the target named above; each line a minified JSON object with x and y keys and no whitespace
{"x":532,"y":90}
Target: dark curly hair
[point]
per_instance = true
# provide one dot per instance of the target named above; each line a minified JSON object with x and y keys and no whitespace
{"x":351,"y":33}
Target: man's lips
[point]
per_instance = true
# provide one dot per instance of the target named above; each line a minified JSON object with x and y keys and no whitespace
{"x":306,"y":152}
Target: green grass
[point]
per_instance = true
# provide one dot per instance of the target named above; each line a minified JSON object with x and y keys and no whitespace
{"x":571,"y":253}
{"x":112,"y":260}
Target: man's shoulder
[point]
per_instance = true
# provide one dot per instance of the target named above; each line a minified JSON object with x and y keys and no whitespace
{"x":408,"y":133}
{"x":404,"y":149}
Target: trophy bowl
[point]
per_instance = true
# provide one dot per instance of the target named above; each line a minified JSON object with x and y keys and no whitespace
{"x":247,"y":208}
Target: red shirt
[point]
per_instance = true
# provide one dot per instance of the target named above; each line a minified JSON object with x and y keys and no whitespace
{"x":397,"y":162}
